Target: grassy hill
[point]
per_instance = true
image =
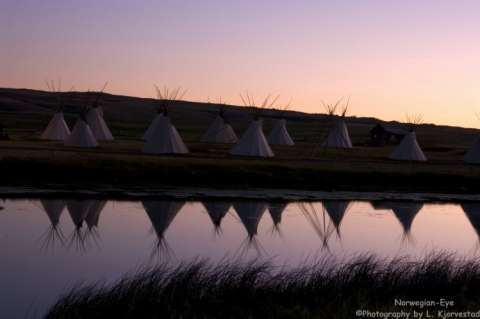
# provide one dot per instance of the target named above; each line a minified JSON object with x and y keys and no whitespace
{"x":25,"y":160}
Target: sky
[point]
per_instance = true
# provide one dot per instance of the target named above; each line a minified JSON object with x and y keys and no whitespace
{"x":391,"y":58}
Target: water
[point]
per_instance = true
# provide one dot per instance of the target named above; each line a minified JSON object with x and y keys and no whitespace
{"x":48,"y":246}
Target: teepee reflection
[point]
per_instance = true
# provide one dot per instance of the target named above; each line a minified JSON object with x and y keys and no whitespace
{"x":54,"y":209}
{"x":250,"y":214}
{"x":161,"y":214}
{"x":472,"y":211}
{"x":336,"y":210}
{"x":217,"y":210}
{"x":78,"y":211}
{"x":92,"y":219}
{"x":276,"y":210}
{"x":405,"y":212}
{"x":319,"y":220}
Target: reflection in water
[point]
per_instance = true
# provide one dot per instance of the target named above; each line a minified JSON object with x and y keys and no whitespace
{"x":217,"y":211}
{"x":307,"y":229}
{"x":250,"y":214}
{"x":336,"y":210}
{"x":54,"y":209}
{"x":472,"y":211}
{"x":161,"y":214}
{"x":405,"y":213}
{"x":276,"y":210}
{"x":84,"y":211}
{"x":317,"y":217}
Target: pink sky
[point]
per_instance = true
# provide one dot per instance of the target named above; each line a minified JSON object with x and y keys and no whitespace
{"x":391,"y":57}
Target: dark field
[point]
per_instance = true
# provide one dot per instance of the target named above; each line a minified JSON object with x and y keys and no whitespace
{"x":27,"y":161}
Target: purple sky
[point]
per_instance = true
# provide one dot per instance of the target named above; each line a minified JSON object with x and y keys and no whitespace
{"x":391,"y":57}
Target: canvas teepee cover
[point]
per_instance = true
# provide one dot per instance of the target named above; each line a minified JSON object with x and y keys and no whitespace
{"x":338,"y":136}
{"x":253,"y":142}
{"x":164,"y":138}
{"x":408,"y":149}
{"x":97,"y":124}
{"x":148,"y":132}
{"x":57,"y":129}
{"x":279,"y":134}
{"x":219,"y":132}
{"x":81,"y":135}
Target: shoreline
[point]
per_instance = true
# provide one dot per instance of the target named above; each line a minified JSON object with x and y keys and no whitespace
{"x":193,"y":194}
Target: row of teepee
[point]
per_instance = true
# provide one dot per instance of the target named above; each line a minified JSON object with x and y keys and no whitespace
{"x":162,"y":137}
{"x":89,"y":128}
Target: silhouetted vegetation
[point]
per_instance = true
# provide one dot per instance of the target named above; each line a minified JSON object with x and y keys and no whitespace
{"x":325,"y":289}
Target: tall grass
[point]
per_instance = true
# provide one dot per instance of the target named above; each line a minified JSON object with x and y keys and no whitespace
{"x":325,"y":289}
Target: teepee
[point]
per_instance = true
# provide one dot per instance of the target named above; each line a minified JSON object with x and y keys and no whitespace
{"x":473,"y":155}
{"x":253,"y":141}
{"x":220,"y":131}
{"x":96,"y":121}
{"x":57,"y":129}
{"x":408,"y":149}
{"x":338,"y":136}
{"x":279,"y":134}
{"x":162,"y":137}
{"x":158,"y":118}
{"x":81,"y":135}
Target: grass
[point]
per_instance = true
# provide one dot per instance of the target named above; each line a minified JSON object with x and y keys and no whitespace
{"x":325,"y":289}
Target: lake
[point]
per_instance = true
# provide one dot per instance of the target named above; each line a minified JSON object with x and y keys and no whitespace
{"x":47,"y":246}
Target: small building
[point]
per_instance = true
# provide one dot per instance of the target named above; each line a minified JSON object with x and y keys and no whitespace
{"x":383,"y":134}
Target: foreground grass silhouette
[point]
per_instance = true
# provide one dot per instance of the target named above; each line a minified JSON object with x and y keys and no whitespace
{"x":327,"y":289}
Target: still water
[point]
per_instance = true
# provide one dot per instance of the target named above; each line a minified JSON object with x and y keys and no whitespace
{"x":49,"y":246}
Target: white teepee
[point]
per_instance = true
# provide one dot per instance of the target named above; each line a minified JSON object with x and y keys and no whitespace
{"x":279,"y":134}
{"x":148,"y":132}
{"x":408,"y":149}
{"x":97,"y":124}
{"x":164,"y":138}
{"x":57,"y":129}
{"x":253,"y":142}
{"x":338,"y":136}
{"x":219,"y":132}
{"x":473,"y":155}
{"x":81,"y":135}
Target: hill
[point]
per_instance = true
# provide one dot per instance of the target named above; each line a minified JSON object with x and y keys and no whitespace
{"x":25,"y":160}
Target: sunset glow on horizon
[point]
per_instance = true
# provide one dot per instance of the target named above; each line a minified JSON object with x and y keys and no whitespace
{"x":389,"y":57}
